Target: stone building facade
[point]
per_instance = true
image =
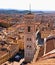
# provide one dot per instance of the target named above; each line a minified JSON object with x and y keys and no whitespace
{"x":29,"y":37}
{"x":31,"y":26}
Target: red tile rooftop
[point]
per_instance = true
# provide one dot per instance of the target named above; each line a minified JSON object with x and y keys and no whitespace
{"x":2,"y":53}
{"x":44,"y":62}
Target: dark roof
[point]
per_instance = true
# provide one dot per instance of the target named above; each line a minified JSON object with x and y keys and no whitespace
{"x":50,"y":38}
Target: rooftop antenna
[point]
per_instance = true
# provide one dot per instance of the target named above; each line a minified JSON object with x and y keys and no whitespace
{"x":30,"y":8}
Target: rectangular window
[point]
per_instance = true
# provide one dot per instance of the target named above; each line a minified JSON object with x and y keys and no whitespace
{"x":28,"y":28}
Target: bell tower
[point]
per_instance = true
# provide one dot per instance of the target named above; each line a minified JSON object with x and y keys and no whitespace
{"x":29,"y":37}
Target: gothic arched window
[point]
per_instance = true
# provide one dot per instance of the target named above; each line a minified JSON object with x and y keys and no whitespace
{"x":28,"y":28}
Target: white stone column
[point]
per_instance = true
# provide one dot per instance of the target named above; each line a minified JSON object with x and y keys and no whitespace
{"x":44,"y":46}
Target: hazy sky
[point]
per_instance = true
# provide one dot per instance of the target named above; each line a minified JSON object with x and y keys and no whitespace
{"x":24,"y":4}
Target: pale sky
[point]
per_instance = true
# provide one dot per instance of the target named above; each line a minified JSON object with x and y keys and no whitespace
{"x":24,"y":4}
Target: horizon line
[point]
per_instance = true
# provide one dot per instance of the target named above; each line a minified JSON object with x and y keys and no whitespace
{"x":23,"y":9}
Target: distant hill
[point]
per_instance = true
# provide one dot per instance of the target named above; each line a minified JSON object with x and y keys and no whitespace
{"x":5,"y":11}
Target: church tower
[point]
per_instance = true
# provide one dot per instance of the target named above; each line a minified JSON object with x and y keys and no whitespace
{"x":29,"y":37}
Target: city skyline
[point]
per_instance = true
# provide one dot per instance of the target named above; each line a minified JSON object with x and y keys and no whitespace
{"x":43,"y":5}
